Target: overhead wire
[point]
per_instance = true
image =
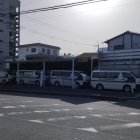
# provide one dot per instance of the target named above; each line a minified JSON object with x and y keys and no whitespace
{"x":53,"y":37}
{"x":61,"y":6}
{"x":58,"y":29}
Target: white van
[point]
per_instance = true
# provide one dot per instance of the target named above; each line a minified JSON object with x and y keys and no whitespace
{"x":64,"y":78}
{"x":117,"y":80}
{"x":28,"y":77}
{"x":4,"y":77}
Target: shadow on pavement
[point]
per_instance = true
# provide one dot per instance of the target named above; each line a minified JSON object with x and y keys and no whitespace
{"x":78,"y":96}
{"x":76,"y":100}
{"x":131,"y":104}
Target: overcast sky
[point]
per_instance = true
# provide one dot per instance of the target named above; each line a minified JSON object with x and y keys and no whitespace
{"x":78,"y":29}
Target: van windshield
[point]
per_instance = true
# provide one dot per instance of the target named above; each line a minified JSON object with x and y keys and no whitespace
{"x":132,"y":73}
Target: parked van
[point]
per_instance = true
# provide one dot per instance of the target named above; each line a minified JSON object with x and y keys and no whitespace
{"x":4,"y":77}
{"x":117,"y":80}
{"x":28,"y":77}
{"x":64,"y":78}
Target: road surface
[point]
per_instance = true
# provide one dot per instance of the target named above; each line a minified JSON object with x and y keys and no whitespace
{"x":38,"y":117}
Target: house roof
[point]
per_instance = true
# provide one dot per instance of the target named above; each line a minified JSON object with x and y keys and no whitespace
{"x":47,"y":58}
{"x":127,"y":32}
{"x":39,"y":45}
{"x":88,"y":55}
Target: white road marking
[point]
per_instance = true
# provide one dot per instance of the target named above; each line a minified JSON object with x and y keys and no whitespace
{"x":7,"y":107}
{"x":95,"y":115}
{"x":120,"y":126}
{"x":80,"y":117}
{"x":56,"y":104}
{"x":133,"y":113}
{"x":18,"y":113}
{"x":65,"y":109}
{"x":22,"y":106}
{"x":55,"y":110}
{"x":43,"y":105}
{"x":36,"y":121}
{"x":89,"y":129}
{"x":59,"y":119}
{"x":1,"y":115}
{"x":41,"y":111}
{"x":90,"y":108}
{"x":28,"y":101}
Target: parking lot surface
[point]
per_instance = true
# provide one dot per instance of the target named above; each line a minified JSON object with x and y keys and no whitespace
{"x":57,"y":117}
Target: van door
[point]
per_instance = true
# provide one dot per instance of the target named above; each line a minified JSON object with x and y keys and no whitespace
{"x":67,"y":79}
{"x":112,"y":80}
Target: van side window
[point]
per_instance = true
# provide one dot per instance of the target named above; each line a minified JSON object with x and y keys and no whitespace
{"x":115,"y":75}
{"x":55,"y":73}
{"x":102,"y":75}
{"x":66,"y":74}
{"x":95,"y":75}
{"x":129,"y":77}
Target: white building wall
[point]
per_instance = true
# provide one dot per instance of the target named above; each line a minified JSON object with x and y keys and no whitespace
{"x":112,"y":43}
{"x":128,"y":40}
{"x":24,"y":51}
{"x":126,"y":59}
{"x":136,"y":42}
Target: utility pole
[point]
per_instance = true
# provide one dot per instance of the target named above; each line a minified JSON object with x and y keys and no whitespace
{"x":98,"y":55}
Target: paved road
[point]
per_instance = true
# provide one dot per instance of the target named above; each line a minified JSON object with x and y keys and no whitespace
{"x":45,"y":117}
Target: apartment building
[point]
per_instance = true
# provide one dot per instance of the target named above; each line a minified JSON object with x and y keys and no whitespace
{"x":36,"y":51}
{"x":123,"y":53}
{"x":9,"y":29}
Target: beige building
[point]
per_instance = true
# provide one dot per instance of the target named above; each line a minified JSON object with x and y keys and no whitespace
{"x":9,"y":29}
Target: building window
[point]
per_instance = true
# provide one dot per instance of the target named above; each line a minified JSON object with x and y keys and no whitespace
{"x":43,"y":50}
{"x":1,"y":30}
{"x":118,"y":47}
{"x":33,"y":50}
{"x":1,"y":51}
{"x":48,"y":52}
{"x":1,"y":40}
{"x":54,"y":52}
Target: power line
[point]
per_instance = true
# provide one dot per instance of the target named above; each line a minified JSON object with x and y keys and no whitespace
{"x":57,"y":38}
{"x":59,"y":29}
{"x":61,"y":6}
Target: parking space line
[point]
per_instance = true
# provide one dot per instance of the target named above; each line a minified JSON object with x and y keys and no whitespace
{"x":133,"y":113}
{"x":8,"y":107}
{"x":120,"y":126}
{"x":36,"y":121}
{"x":1,"y":115}
{"x":89,"y":129}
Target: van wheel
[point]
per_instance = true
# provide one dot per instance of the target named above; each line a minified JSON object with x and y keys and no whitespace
{"x":77,"y":85}
{"x":21,"y":82}
{"x":4,"y":81}
{"x":56,"y":84}
{"x":37,"y":83}
{"x":99,"y":87}
{"x":127,"y":89}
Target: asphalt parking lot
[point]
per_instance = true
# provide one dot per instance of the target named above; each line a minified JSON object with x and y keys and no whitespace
{"x":56,"y":117}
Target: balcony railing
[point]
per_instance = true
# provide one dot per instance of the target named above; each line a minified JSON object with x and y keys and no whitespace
{"x":120,"y":54}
